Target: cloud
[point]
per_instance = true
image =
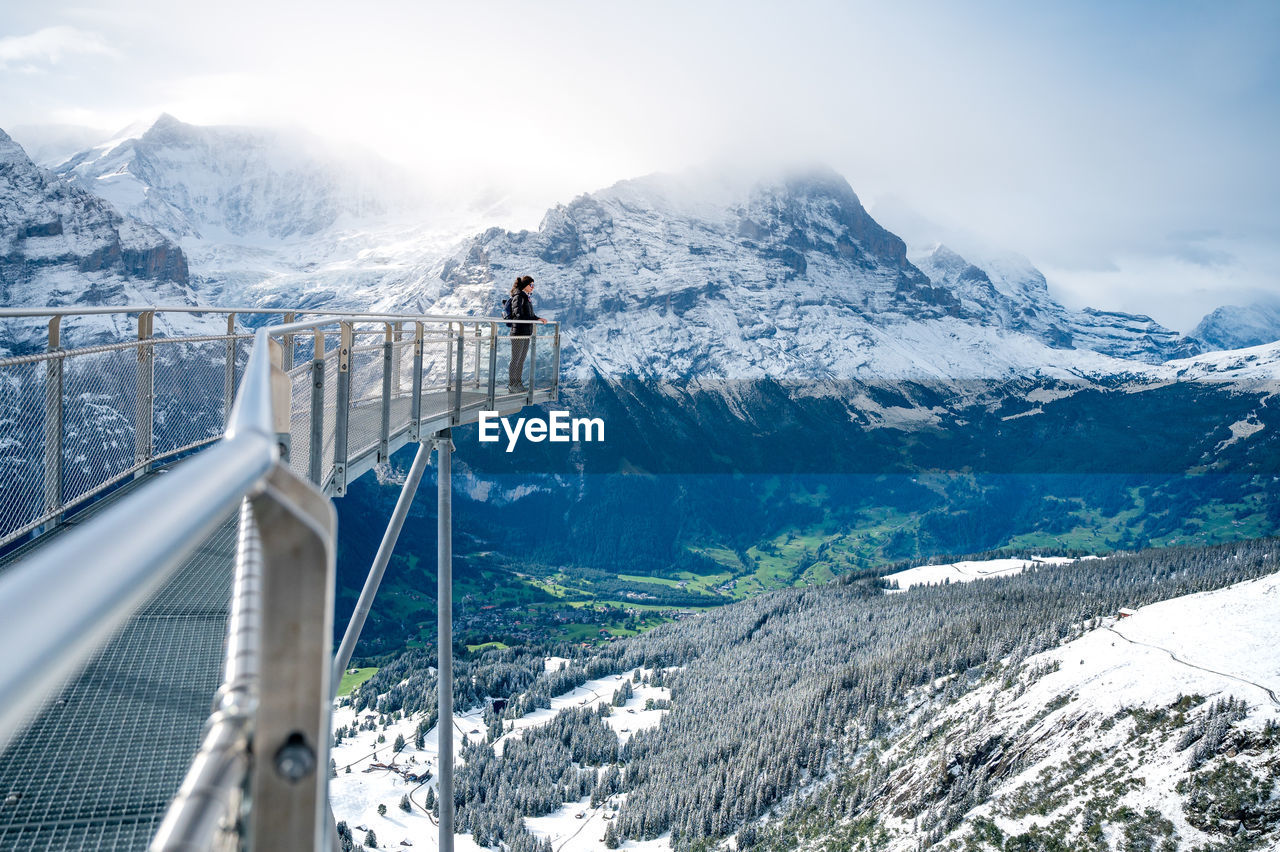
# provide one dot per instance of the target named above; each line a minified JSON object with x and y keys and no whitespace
{"x":50,"y":46}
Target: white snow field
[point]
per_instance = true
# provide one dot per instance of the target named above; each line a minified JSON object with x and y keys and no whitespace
{"x":964,"y":572}
{"x":356,"y":795}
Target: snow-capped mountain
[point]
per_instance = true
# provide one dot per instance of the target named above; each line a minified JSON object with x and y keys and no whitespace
{"x":61,"y":245}
{"x":673,"y":278}
{"x":701,"y":314}
{"x":766,"y":292}
{"x":274,"y":217}
{"x":230,"y":183}
{"x":1235,"y":327}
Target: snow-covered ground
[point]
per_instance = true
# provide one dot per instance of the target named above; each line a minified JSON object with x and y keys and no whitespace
{"x":355,"y":796}
{"x":964,"y":572}
{"x":568,"y":833}
{"x":1075,"y":706}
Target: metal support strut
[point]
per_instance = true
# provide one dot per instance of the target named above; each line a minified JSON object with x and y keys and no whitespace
{"x":444,"y":633}
{"x":371,"y":583}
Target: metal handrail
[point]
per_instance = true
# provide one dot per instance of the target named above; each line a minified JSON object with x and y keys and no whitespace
{"x":188,"y":309}
{"x":57,"y":359}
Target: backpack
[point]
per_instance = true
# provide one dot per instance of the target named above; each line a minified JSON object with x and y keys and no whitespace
{"x":508,"y":310}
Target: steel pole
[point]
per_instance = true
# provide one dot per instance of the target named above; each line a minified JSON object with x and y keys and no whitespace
{"x":444,"y":634}
{"x":145,"y":421}
{"x":53,"y":440}
{"x":380,"y":561}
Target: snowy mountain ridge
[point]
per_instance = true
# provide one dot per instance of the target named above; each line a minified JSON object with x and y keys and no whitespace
{"x":692,"y":280}
{"x":273,"y":217}
{"x":230,"y":183}
{"x":790,"y":278}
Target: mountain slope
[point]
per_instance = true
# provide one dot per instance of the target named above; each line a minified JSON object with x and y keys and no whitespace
{"x":1013,"y":290}
{"x":951,"y":717}
{"x":1162,"y":728}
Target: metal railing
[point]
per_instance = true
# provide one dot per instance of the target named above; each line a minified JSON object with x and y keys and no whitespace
{"x":299,"y":431}
{"x":76,"y":422}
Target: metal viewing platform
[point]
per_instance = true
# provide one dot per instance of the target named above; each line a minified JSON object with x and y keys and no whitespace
{"x":165,"y":507}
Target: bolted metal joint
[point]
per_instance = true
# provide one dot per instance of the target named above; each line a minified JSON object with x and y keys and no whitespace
{"x":295,"y":760}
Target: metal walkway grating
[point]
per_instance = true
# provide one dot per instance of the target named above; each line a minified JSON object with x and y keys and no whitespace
{"x":97,"y":767}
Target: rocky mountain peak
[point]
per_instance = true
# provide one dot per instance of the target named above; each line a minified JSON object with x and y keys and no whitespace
{"x":818,"y":210}
{"x":167,"y":130}
{"x":1237,"y":327}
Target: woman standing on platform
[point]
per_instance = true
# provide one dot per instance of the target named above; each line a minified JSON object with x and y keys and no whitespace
{"x":521,"y":309}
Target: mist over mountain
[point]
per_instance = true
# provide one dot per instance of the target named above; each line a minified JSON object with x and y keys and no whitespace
{"x":234,"y":182}
{"x":50,"y":145}
{"x":273,"y":217}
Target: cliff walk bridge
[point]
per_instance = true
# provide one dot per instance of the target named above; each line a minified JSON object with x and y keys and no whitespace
{"x":168,"y":541}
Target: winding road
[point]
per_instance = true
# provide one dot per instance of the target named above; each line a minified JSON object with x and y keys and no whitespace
{"x":1177,"y":659}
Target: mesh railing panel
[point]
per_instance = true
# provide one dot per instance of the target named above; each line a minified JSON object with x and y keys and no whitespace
{"x":504,"y":364}
{"x":190,"y":400}
{"x":244,"y":348}
{"x":366,"y":374}
{"x":100,"y":403}
{"x":401,"y":369}
{"x":538,"y":369}
{"x":22,"y":447}
{"x":402,"y":366}
{"x":435,"y":361}
{"x":330,"y":404}
{"x":300,"y":420}
{"x":506,"y":344}
{"x":365,"y":418}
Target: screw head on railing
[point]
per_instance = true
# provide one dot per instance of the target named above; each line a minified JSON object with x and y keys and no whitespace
{"x":295,"y":760}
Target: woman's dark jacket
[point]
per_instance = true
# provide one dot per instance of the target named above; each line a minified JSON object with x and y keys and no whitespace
{"x":522,"y":308}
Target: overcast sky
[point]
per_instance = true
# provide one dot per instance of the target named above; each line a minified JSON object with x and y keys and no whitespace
{"x":1128,"y":149}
